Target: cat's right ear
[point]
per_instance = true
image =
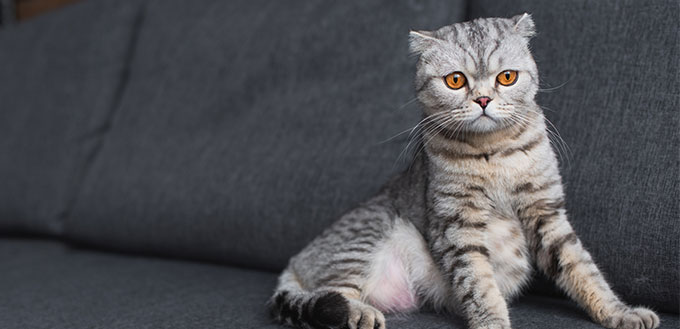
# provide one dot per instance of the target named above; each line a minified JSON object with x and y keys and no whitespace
{"x":419,"y":41}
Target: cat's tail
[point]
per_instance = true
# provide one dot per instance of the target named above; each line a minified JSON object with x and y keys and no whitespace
{"x":294,"y":306}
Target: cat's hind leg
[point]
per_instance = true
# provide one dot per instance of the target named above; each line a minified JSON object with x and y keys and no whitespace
{"x":324,"y":284}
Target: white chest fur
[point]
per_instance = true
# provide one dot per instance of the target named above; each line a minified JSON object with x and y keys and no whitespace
{"x":508,"y":255}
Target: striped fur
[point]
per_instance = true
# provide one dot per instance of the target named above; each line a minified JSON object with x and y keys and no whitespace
{"x":462,"y":228}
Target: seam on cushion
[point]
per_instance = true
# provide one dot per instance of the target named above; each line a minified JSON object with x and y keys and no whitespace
{"x":103,"y":130}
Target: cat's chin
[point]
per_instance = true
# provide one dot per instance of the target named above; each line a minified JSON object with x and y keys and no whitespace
{"x":484,"y":124}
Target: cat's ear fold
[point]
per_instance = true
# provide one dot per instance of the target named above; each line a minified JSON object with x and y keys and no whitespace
{"x":524,"y":25}
{"x":419,"y":41}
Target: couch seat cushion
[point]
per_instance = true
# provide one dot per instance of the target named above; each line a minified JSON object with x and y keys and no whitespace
{"x":47,"y":284}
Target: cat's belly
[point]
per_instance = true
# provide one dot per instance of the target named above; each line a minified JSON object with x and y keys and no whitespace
{"x":403,"y":275}
{"x":508,"y":255}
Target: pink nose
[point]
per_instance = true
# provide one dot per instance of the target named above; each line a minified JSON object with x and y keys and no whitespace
{"x":483,"y":101}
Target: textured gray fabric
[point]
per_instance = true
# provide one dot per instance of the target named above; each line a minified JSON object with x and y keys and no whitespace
{"x":59,"y":77}
{"x":245,"y":127}
{"x":248,"y":126}
{"x":45,"y":284}
{"x":614,"y":65}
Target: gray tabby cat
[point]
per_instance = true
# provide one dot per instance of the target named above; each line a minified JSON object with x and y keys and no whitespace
{"x":460,"y":229}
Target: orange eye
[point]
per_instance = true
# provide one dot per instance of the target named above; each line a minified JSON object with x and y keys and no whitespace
{"x":455,"y":80}
{"x":507,"y":78}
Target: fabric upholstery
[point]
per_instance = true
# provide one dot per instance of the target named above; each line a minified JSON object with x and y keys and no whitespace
{"x":46,"y":284}
{"x":59,"y":77}
{"x":248,"y":126}
{"x":610,"y":75}
{"x":235,"y":131}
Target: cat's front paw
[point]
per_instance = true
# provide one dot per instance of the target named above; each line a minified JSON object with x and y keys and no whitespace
{"x":363,"y":316}
{"x":633,"y":318}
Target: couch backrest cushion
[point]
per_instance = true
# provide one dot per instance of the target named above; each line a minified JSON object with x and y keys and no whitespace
{"x":610,"y":74}
{"x":248,"y":126}
{"x":59,"y":76}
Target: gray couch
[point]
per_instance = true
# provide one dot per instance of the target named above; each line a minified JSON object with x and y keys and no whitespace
{"x":161,"y":160}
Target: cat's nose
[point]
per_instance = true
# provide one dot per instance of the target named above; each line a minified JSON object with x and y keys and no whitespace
{"x":483,"y":101}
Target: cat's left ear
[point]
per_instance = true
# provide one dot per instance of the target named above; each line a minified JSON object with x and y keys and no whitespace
{"x":419,"y":41}
{"x":524,"y":25}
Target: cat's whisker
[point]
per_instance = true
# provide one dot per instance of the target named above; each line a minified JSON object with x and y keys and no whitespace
{"x":554,"y":88}
{"x":409,"y":102}
{"x":417,"y":131}
{"x":409,"y":130}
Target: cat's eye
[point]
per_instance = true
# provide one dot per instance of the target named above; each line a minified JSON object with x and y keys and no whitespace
{"x":507,"y":78}
{"x":455,"y":80}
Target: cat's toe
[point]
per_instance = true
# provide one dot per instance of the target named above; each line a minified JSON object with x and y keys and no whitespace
{"x":634,"y":318}
{"x":362,"y":316}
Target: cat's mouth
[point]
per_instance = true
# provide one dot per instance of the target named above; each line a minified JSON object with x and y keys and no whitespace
{"x":484,"y":116}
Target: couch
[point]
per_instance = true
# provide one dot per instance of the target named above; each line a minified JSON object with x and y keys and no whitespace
{"x":160,"y":160}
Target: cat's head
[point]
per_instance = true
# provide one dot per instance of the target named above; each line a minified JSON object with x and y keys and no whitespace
{"x":476,"y":76}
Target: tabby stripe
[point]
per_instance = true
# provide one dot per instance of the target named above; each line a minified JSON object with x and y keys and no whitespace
{"x":291,"y":312}
{"x":470,"y":249}
{"x":364,"y":241}
{"x":472,"y":225}
{"x":476,"y":188}
{"x":358,"y":233}
{"x":471,"y":205}
{"x":496,"y":46}
{"x":531,"y":188}
{"x":554,"y":252}
{"x":349,"y":261}
{"x":569,"y":267}
{"x":541,"y":205}
{"x":279,"y":299}
{"x":307,"y":316}
{"x":466,"y":298}
{"x":461,"y":280}
{"x":336,"y":275}
{"x":454,"y":156}
{"x":448,"y":250}
{"x":346,"y":285}
{"x":355,"y":249}
{"x":543,"y":220}
{"x":457,"y":195}
{"x":557,"y":204}
{"x":457,"y":265}
{"x":524,"y":148}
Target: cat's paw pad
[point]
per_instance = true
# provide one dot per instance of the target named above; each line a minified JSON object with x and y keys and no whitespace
{"x":634,"y":318}
{"x":362,"y":316}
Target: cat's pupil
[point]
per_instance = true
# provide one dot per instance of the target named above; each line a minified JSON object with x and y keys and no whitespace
{"x":455,"y":79}
{"x":507,"y":75}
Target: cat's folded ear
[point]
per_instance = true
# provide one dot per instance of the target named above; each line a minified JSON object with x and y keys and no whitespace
{"x":419,"y":41}
{"x":524,"y":25}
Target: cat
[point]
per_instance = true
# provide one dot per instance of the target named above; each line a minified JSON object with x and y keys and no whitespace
{"x":479,"y":207}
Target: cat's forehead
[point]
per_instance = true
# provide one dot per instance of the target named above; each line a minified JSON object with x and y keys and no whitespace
{"x":482,"y":46}
{"x":477,"y":33}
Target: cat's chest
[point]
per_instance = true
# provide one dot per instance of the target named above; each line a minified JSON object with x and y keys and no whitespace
{"x":508,"y":254}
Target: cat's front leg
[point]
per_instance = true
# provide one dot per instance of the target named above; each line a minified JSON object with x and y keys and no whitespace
{"x":463,"y":257}
{"x":561,"y":256}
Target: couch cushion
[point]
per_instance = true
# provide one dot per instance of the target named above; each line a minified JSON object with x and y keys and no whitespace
{"x":46,"y":284}
{"x":248,"y":126}
{"x":610,"y":74}
{"x":59,"y":77}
